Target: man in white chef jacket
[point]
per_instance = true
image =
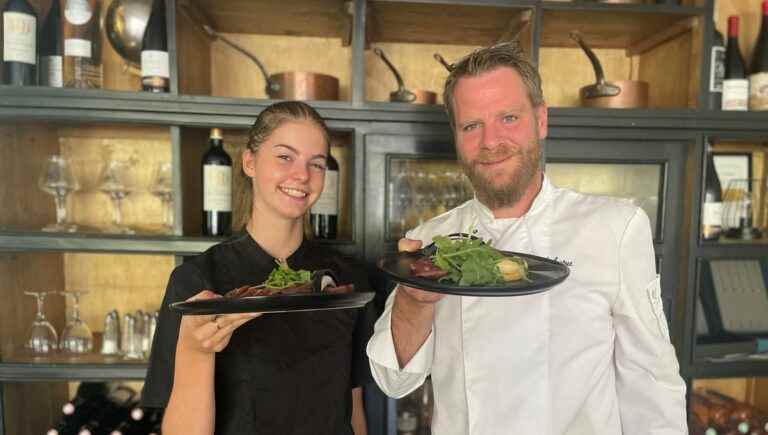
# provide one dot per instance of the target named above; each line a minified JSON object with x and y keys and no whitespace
{"x":590,"y":356}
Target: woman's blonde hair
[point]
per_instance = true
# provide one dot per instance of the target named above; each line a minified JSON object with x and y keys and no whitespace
{"x":266,"y":123}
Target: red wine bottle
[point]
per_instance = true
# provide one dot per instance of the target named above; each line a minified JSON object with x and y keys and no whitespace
{"x":716,"y":71}
{"x":758,"y":78}
{"x":324,"y":215}
{"x":154,"y":51}
{"x":51,"y":49}
{"x":19,"y":43}
{"x":712,"y":206}
{"x":735,"y":84}
{"x":217,"y":187}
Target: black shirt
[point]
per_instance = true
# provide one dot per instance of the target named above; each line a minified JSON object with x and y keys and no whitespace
{"x":286,"y":373}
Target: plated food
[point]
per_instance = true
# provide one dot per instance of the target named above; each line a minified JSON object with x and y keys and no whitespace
{"x":286,"y":281}
{"x":285,"y":290}
{"x":462,"y":264}
{"x":469,"y":261}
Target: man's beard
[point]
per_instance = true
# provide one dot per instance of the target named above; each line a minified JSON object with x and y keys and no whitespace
{"x":505,"y":195}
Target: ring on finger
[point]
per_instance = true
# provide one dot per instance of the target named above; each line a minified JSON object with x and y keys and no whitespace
{"x":216,"y":322}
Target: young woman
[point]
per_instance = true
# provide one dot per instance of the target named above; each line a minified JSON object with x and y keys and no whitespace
{"x":287,"y":373}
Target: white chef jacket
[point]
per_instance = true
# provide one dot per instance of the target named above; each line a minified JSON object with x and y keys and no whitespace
{"x":590,"y":356}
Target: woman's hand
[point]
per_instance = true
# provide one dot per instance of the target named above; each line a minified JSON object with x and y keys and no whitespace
{"x":210,"y":333}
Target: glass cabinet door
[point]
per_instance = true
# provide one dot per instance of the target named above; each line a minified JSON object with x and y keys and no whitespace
{"x":640,"y":183}
{"x":420,"y":189}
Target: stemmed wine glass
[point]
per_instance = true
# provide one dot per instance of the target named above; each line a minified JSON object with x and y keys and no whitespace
{"x":116,"y":180}
{"x":41,"y":338}
{"x":57,"y":179}
{"x":162,"y":187}
{"x":77,"y":336}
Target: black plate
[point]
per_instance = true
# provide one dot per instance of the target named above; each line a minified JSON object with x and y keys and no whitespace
{"x":542,"y":272}
{"x":275,"y":304}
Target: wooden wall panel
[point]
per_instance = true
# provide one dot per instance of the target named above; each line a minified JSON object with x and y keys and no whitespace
{"x":124,"y":282}
{"x":668,"y":69}
{"x":234,"y":75}
{"x":24,"y":148}
{"x":29,"y":407}
{"x":416,"y":65}
{"x":88,"y":147}
{"x":565,"y":70}
{"x":194,"y":56}
{"x":738,"y":388}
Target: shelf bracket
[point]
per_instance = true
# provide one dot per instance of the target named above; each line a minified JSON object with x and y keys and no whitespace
{"x":656,"y":39}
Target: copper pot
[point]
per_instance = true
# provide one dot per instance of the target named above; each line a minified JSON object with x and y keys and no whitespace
{"x":622,"y":94}
{"x":292,"y":85}
{"x":403,"y":95}
{"x":298,"y":85}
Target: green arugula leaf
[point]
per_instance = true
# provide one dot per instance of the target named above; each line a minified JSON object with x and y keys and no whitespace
{"x":283,"y":276}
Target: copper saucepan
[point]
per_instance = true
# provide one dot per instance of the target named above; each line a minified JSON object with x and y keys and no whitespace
{"x":622,"y":94}
{"x":403,"y":95}
{"x":291,"y":85}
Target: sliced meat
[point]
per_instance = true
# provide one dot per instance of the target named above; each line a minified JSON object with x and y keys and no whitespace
{"x":348,"y":288}
{"x":425,"y":268}
{"x":248,"y":291}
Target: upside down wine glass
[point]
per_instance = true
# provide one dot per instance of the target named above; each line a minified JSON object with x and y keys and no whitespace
{"x":77,"y":337}
{"x":41,"y":337}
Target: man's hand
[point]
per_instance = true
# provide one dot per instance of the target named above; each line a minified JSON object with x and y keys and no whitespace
{"x":414,"y":295}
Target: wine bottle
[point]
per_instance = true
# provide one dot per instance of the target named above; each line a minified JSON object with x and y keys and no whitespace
{"x":324,"y":214}
{"x":154,"y":51}
{"x":142,"y":422}
{"x":716,"y":71}
{"x":82,"y":57}
{"x":83,"y":406}
{"x":51,"y":61}
{"x":217,"y":187}
{"x":735,"y":83}
{"x":712,"y":207}
{"x":744,"y":410}
{"x":758,"y":78}
{"x":114,"y":410}
{"x":19,"y":44}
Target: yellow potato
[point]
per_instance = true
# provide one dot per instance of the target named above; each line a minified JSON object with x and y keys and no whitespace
{"x":511,"y":270}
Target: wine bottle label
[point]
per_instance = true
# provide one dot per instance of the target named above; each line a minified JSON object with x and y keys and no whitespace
{"x":717,"y":69}
{"x":77,"y":47}
{"x":712,"y":214}
{"x":758,"y":91}
{"x":78,"y":12}
{"x":19,"y":37}
{"x":51,"y":73}
{"x":735,"y":94}
{"x":154,"y":63}
{"x":328,"y":203}
{"x":217,"y":188}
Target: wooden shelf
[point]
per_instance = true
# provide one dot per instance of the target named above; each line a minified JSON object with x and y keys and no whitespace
{"x":609,"y":25}
{"x":438,"y":23}
{"x":735,"y":369}
{"x":89,"y":367}
{"x":39,"y":241}
{"x":320,"y":18}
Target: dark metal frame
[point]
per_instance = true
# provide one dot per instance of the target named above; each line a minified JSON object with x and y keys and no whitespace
{"x":389,"y":128}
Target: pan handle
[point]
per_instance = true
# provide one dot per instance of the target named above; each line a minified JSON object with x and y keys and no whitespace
{"x":442,"y":61}
{"x":272,"y":86}
{"x":401,"y":94}
{"x":601,"y":88}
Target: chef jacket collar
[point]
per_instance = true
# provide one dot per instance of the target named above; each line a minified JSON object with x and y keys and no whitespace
{"x":485,"y":215}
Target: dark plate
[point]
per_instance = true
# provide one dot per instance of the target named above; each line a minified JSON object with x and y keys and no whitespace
{"x":275,"y":304}
{"x":542,"y":272}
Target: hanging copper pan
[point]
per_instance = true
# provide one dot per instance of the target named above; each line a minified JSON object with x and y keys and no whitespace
{"x":403,"y":95}
{"x":622,"y":94}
